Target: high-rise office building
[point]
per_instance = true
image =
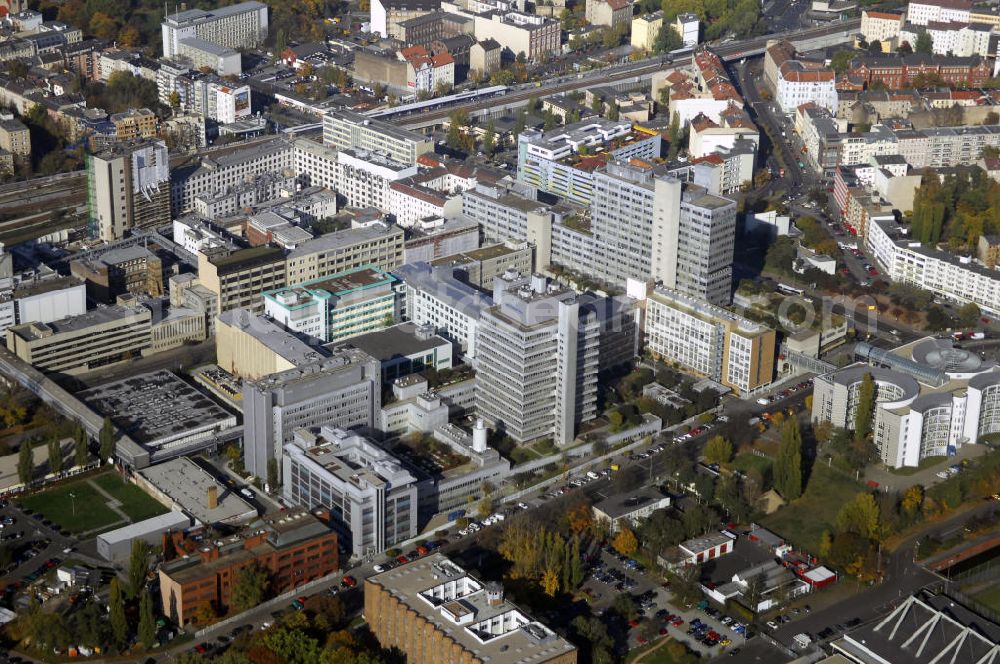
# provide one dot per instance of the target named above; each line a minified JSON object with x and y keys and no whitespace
{"x":243,"y":25}
{"x":693,"y":247}
{"x":710,"y":340}
{"x":371,"y":496}
{"x":128,"y":187}
{"x":538,"y":350}
{"x":343,"y":391}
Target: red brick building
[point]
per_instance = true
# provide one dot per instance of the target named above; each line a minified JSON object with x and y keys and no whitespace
{"x":292,"y":547}
{"x":898,"y":72}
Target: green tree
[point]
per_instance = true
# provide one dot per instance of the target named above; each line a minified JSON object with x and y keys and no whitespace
{"x":273,"y":479}
{"x":80,"y":446}
{"x":860,"y":516}
{"x":107,"y":440}
{"x":250,"y":589}
{"x":138,"y":568}
{"x":938,"y":319}
{"x":490,"y":139}
{"x":841,"y":60}
{"x":55,"y":456}
{"x":550,"y":121}
{"x":613,"y":111}
{"x":674,"y":135}
{"x":597,"y":105}
{"x":718,"y":450}
{"x":925,"y":43}
{"x":174,"y":99}
{"x":519,"y":123}
{"x":788,"y":467}
{"x":116,"y":606}
{"x":667,"y":39}
{"x":147,"y":623}
{"x":865,"y":408}
{"x":25,"y":462}
{"x":457,"y":120}
{"x":968,"y":315}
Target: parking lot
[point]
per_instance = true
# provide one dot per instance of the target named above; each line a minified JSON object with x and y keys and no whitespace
{"x":34,"y":545}
{"x":702,"y":629}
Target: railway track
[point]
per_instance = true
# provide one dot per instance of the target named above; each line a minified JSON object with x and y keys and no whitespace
{"x":727,"y":52}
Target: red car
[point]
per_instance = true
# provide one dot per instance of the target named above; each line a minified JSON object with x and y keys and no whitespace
{"x":633,"y":623}
{"x":348,"y":582}
{"x":201,"y":648}
{"x":422,"y":550}
{"x":677,"y":622}
{"x":402,"y":560}
{"x":713,"y":635}
{"x":663,"y":631}
{"x":642,"y":640}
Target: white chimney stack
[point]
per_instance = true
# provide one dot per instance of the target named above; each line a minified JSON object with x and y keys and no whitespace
{"x":479,"y":436}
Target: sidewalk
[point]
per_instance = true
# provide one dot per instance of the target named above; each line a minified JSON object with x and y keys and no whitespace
{"x":890,"y":481}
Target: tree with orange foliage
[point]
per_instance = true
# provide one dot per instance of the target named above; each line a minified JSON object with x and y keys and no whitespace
{"x":103,"y":26}
{"x":625,"y":542}
{"x":129,"y":37}
{"x":579,"y":517}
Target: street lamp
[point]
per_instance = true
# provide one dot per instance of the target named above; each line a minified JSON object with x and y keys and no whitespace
{"x":72,"y":498}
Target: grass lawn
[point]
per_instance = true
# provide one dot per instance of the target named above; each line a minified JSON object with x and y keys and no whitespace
{"x":658,"y":653}
{"x":923,"y":465}
{"x":135,"y":502}
{"x":57,"y":506}
{"x":990,"y":598}
{"x":748,"y":462}
{"x":802,"y":522}
{"x":92,"y":511}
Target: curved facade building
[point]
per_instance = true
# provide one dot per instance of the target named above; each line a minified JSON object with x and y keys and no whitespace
{"x":931,"y":398}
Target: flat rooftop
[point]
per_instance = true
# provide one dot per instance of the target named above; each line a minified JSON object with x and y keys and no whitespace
{"x":622,"y":504}
{"x":247,"y":258}
{"x":186,"y":484}
{"x":273,"y":336}
{"x":154,"y":407}
{"x":498,"y":633}
{"x":42,"y":286}
{"x":345,"y":238}
{"x":93,"y":318}
{"x":338,"y":285}
{"x":396,"y":341}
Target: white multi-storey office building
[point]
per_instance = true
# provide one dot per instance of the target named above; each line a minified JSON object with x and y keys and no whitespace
{"x":243,"y":25}
{"x":372,"y":498}
{"x":930,"y":399}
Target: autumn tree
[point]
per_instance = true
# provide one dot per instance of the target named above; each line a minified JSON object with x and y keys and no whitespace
{"x":250,"y":588}
{"x":625,"y":542}
{"x":579,"y":517}
{"x":913,"y":500}
{"x":550,"y":582}
{"x":860,"y":516}
{"x":718,"y":450}
{"x":103,"y":26}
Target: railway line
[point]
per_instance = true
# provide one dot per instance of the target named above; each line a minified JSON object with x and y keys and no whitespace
{"x":728,"y":52}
